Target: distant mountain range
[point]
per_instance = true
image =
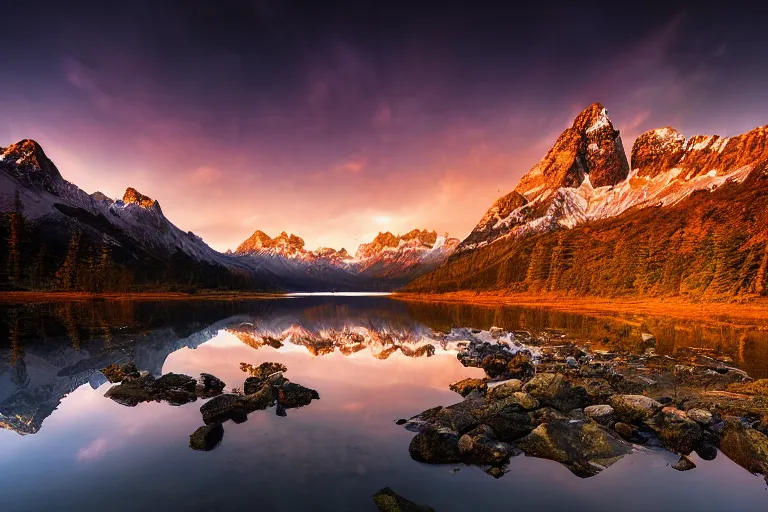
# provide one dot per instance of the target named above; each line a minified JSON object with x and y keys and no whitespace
{"x":682,"y":217}
{"x":55,"y":236}
{"x":688,"y":217}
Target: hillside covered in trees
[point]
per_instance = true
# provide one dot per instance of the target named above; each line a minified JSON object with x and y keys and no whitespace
{"x":709,"y":245}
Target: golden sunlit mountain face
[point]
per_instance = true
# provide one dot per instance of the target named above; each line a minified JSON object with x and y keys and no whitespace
{"x":339,"y":122}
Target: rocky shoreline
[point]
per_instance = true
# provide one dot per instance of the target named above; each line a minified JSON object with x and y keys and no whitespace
{"x":587,"y":408}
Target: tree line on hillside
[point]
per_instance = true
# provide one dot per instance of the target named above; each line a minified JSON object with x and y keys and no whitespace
{"x":710,"y":245}
{"x":41,"y":256}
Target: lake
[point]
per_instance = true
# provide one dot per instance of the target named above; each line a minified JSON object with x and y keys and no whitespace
{"x":64,"y":446}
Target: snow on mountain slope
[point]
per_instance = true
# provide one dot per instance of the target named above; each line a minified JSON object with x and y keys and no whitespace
{"x":585,"y":176}
{"x":388,"y":260}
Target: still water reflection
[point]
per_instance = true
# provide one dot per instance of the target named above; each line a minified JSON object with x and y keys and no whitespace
{"x":66,"y":447}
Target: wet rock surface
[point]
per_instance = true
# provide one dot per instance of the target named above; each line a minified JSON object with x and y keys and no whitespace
{"x":587,"y":408}
{"x":207,"y":437}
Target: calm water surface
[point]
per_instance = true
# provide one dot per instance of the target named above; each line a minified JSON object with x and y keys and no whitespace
{"x":67,"y":447}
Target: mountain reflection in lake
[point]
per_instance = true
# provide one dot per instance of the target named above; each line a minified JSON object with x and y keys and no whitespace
{"x":372,"y":360}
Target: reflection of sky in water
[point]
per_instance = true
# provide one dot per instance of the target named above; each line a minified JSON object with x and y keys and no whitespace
{"x":331,"y":455}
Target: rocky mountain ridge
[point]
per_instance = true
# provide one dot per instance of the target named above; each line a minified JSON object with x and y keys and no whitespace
{"x":581,"y":203}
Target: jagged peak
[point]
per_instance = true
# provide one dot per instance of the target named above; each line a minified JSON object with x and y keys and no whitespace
{"x":27,"y":155}
{"x":260,"y":240}
{"x":592,"y":118}
{"x":133,"y":196}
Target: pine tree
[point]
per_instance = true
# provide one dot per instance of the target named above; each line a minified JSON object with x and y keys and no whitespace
{"x":17,"y":222}
{"x":67,"y":273}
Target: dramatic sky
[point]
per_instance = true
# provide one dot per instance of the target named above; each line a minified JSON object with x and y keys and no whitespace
{"x":345,"y":118}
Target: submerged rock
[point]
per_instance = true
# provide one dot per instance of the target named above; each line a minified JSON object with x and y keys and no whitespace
{"x":585,"y":448}
{"x":387,"y":500}
{"x":480,"y":446}
{"x":207,"y":437}
{"x":435,"y":447}
{"x":684,"y":464}
{"x":264,"y":370}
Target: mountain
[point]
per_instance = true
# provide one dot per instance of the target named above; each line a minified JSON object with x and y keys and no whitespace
{"x":56,"y":236}
{"x":686,"y":219}
{"x":386,"y":263}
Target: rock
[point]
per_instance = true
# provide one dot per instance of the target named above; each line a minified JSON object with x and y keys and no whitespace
{"x":602,"y":414}
{"x":401,"y":421}
{"x":259,"y":400}
{"x":684,"y":464}
{"x":387,"y":500}
{"x":253,"y":385}
{"x":504,"y":389}
{"x":678,"y":433}
{"x":176,"y":389}
{"x":520,"y":367}
{"x":707,"y":451}
{"x":509,"y":424}
{"x":133,"y":392}
{"x":524,"y":400}
{"x":292,"y":395}
{"x":495,"y":471}
{"x":745,"y":446}
{"x":571,"y":361}
{"x":206,"y":438}
{"x":495,"y":365}
{"x":480,"y":446}
{"x":222,"y":408}
{"x":553,"y":390}
{"x":435,"y":447}
{"x":634,"y":408}
{"x":585,"y":448}
{"x":209,"y":385}
{"x":466,"y":386}
{"x":700,"y":416}
{"x":625,"y":430}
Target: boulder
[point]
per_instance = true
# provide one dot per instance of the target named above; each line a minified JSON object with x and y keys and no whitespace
{"x":495,"y":365}
{"x":510,"y":425}
{"x":679,"y":433}
{"x":602,"y":414}
{"x":209,"y":385}
{"x":585,"y":448}
{"x":222,"y":408}
{"x":706,"y":451}
{"x":745,"y":446}
{"x":435,"y":447}
{"x":253,"y":385}
{"x":259,"y":400}
{"x":554,"y":390}
{"x":466,"y":386}
{"x":207,"y":437}
{"x":634,"y":408}
{"x":386,"y":500}
{"x":116,"y":374}
{"x":701,"y":416}
{"x":292,"y":395}
{"x":176,"y":389}
{"x":503,"y":389}
{"x":520,"y":367}
{"x":133,"y":392}
{"x":480,"y":446}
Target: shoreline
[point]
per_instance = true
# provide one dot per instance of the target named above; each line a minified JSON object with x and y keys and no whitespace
{"x":726,"y":312}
